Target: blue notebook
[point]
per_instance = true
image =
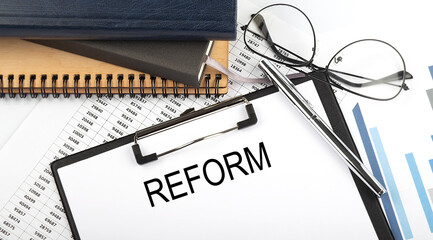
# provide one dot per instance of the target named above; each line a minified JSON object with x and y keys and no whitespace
{"x":125,"y":19}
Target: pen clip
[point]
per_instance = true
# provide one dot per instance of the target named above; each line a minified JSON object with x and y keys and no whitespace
{"x":188,"y":117}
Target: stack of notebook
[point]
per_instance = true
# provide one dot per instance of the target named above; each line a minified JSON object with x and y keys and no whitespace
{"x":143,"y":47}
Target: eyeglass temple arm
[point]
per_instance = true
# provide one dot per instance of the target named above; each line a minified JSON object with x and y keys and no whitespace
{"x":260,"y":21}
{"x":393,"y":77}
{"x":302,"y":77}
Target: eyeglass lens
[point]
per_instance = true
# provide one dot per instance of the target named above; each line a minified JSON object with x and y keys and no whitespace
{"x":279,"y":29}
{"x":284,"y":34}
{"x":370,"y":68}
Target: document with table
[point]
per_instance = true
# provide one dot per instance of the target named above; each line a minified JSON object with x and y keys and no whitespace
{"x":272,"y":180}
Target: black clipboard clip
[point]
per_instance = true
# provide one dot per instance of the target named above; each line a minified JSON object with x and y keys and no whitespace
{"x":188,"y":116}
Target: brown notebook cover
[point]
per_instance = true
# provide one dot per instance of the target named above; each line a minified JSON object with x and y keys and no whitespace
{"x":30,"y":69}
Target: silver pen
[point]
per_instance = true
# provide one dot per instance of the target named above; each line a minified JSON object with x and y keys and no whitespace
{"x":289,"y":89}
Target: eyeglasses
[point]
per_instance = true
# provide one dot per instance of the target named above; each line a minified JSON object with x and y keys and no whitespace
{"x":369,"y":68}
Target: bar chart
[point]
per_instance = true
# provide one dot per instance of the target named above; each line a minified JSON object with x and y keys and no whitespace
{"x":393,"y":204}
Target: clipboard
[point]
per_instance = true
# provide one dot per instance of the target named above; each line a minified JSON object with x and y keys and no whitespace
{"x":140,"y":154}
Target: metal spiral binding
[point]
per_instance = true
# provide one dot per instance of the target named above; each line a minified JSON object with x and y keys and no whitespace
{"x":54,"y":79}
{"x":98,"y":85}
{"x":109,"y":79}
{"x":11,"y":82}
{"x":185,"y":91}
{"x":65,"y":86}
{"x":120,"y":85}
{"x":153,"y":82}
{"x":2,"y":94}
{"x":33,"y":89}
{"x":142,"y":77}
{"x":207,"y":80}
{"x":87,"y":86}
{"x":217,"y":84}
{"x":76,"y":80}
{"x":21,"y":78}
{"x":196,"y":93}
{"x":44,"y":93}
{"x":164,"y":87}
{"x":175,"y":90}
{"x":131,"y":85}
{"x":32,"y":86}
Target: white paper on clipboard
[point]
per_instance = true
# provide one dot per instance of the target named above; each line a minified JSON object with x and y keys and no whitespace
{"x":307,"y":192}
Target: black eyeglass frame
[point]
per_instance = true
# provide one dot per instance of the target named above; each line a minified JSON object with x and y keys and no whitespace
{"x":309,"y":63}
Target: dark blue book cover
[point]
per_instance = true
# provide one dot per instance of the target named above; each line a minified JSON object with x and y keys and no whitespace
{"x":120,"y":19}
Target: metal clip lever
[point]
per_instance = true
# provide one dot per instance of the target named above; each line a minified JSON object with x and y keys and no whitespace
{"x":191,"y":116}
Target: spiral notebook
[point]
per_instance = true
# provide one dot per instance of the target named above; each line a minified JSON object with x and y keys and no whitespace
{"x":31,"y":69}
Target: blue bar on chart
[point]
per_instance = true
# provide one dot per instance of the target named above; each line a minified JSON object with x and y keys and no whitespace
{"x":431,"y":164}
{"x":431,"y":71}
{"x":392,"y":187}
{"x":419,"y":185}
{"x":371,"y":156}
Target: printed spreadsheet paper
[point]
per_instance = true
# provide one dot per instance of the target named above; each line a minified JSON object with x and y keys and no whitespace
{"x":30,"y":206}
{"x":298,"y":193}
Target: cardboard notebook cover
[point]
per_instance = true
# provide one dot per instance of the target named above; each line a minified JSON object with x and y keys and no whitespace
{"x":31,"y":69}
